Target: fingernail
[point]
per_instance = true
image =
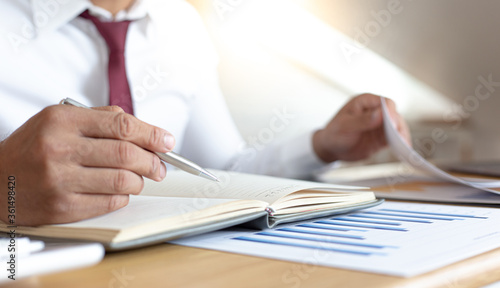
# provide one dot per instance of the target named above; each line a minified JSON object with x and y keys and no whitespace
{"x":163,"y":171}
{"x":169,"y":141}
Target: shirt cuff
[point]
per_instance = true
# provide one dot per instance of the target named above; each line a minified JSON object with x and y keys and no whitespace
{"x":299,"y":158}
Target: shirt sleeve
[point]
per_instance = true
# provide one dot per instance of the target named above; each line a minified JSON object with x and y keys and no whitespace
{"x":212,"y":140}
{"x":294,"y":158}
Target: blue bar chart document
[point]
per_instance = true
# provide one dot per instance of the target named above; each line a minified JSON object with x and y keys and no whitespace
{"x":400,"y":239}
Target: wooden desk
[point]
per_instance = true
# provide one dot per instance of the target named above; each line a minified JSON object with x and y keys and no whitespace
{"x":169,"y":265}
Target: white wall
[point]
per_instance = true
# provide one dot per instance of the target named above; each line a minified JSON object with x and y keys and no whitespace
{"x":445,"y":44}
{"x":257,"y":81}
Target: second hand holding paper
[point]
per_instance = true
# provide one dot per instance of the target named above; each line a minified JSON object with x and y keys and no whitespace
{"x":408,"y":155}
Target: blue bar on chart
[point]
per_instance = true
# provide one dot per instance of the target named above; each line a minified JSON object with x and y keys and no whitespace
{"x":400,"y":239}
{"x":390,"y":218}
{"x":315,"y":234}
{"x":434,"y":213}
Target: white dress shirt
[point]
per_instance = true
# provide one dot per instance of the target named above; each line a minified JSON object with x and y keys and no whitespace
{"x":48,"y":53}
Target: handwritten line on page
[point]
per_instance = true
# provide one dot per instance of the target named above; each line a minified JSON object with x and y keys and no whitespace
{"x":407,"y":154}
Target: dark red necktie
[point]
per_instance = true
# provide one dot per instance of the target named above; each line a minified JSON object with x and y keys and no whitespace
{"x":115,"y":34}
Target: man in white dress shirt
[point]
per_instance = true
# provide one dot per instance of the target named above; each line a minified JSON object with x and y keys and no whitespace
{"x":71,"y":163}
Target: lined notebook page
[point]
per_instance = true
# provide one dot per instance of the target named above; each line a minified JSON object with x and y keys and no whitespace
{"x":233,"y":185}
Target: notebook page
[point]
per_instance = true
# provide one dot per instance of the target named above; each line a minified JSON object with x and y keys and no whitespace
{"x":141,"y":210}
{"x":232,"y":185}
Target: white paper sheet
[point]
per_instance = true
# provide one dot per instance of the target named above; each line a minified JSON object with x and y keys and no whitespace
{"x":407,"y":154}
{"x":57,"y":256}
{"x":416,"y":239}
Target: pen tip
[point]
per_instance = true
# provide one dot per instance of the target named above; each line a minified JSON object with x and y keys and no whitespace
{"x":209,"y":176}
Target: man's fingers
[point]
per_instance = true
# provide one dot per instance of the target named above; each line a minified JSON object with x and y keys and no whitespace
{"x":379,"y":138}
{"x":391,"y":108}
{"x":123,"y":126}
{"x":360,"y":122}
{"x":371,"y":142}
{"x":104,"y":203}
{"x":92,"y":205}
{"x":113,"y":108}
{"x":109,"y":153}
{"x":398,"y":121}
{"x":106,"y":181}
{"x":362,"y":113}
{"x":364,"y":102}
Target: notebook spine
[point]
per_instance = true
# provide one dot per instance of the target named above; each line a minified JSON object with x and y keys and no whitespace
{"x":270,"y":211}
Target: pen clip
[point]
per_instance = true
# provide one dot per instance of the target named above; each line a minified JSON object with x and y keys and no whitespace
{"x":69,"y":101}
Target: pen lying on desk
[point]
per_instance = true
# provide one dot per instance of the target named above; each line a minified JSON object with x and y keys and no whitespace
{"x":169,"y":157}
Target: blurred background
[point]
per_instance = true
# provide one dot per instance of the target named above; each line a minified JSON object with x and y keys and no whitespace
{"x":436,"y":59}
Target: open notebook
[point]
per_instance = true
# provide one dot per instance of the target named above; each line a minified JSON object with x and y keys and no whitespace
{"x":185,"y":205}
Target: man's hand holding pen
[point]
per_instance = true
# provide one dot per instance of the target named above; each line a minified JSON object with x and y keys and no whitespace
{"x":72,"y":163}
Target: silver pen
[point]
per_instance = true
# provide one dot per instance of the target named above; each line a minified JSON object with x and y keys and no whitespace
{"x":169,"y":157}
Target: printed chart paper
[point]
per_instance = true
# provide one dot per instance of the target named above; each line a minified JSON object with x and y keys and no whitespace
{"x":400,"y":239}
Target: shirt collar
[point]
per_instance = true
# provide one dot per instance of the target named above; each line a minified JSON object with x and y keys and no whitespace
{"x":50,"y":17}
{"x":138,"y":10}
